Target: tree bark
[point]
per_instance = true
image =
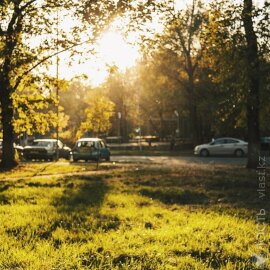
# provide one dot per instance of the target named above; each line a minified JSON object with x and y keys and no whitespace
{"x":8,"y":156}
{"x":12,"y":36}
{"x":253,"y":95}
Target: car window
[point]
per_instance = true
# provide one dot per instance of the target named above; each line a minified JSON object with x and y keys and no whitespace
{"x":219,"y":141}
{"x":86,"y":144}
{"x":232,"y":141}
{"x":42,"y":143}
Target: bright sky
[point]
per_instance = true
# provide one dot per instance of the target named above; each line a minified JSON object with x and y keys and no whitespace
{"x":112,"y":49}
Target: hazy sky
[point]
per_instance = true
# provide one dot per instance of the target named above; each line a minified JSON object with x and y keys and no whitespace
{"x":112,"y":49}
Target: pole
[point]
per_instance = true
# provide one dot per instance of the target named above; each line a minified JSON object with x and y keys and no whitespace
{"x":57,"y":88}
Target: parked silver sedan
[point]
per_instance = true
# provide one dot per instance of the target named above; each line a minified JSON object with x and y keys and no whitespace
{"x":222,"y":146}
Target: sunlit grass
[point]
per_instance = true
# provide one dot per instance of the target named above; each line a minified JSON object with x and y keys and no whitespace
{"x":48,"y":168}
{"x":129,"y":217}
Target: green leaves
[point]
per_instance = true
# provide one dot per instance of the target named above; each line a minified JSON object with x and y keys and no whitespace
{"x":34,"y":112}
{"x":98,"y":117}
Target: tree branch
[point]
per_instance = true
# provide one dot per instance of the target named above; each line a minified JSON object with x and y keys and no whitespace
{"x":191,"y":24}
{"x":15,"y":15}
{"x":20,"y":78}
{"x":27,"y":5}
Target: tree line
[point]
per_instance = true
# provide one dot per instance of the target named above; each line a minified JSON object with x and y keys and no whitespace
{"x":206,"y":74}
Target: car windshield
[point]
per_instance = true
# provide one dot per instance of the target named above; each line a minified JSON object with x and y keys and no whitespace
{"x":43,"y":143}
{"x":88,"y":144}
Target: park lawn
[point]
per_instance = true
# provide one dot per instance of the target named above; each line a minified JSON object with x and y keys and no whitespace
{"x":33,"y":169}
{"x":131,"y":217}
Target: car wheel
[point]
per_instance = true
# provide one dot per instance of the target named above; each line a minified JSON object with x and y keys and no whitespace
{"x":239,"y":153}
{"x":204,"y":153}
{"x":108,"y":158}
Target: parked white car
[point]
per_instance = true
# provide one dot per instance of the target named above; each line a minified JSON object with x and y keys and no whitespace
{"x":222,"y":146}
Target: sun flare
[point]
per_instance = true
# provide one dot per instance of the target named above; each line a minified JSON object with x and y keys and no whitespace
{"x":114,"y":50}
{"x":111,"y":50}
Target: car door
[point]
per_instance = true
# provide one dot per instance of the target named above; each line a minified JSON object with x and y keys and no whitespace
{"x":231,"y":146}
{"x":217,"y":147}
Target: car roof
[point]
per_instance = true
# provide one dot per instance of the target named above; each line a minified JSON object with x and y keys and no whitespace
{"x":228,"y":138}
{"x":89,"y":140}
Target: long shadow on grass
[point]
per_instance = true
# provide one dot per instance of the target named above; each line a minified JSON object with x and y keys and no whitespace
{"x":216,"y":260}
{"x":79,"y":206}
{"x":221,"y":189}
{"x":175,"y":196}
{"x":81,"y":193}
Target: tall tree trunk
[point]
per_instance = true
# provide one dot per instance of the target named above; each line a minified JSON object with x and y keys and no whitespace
{"x":253,"y":97}
{"x":6,"y":90}
{"x":8,"y":156}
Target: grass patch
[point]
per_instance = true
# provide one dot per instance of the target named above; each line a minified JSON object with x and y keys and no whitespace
{"x":33,"y":169}
{"x":129,"y":217}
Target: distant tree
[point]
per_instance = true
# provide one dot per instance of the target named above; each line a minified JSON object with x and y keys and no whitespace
{"x":181,"y":38}
{"x":161,"y":93}
{"x":240,"y":63}
{"x":98,"y":117}
{"x":28,"y":39}
{"x":225,"y":43}
{"x":74,"y":103}
{"x":123,"y":90}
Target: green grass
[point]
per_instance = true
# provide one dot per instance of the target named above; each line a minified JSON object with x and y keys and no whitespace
{"x":49,"y":168}
{"x":127,"y":217}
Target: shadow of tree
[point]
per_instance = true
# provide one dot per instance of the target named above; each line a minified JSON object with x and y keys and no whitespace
{"x":81,"y":193}
{"x":220,"y":189}
{"x":217,"y":259}
{"x":176,"y":196}
{"x":78,"y":209}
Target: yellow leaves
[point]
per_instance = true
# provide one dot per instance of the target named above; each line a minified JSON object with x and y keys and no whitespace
{"x":34,"y":113}
{"x":98,"y":115}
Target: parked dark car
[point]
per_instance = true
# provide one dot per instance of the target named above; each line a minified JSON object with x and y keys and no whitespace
{"x":46,"y":149}
{"x":90,"y":149}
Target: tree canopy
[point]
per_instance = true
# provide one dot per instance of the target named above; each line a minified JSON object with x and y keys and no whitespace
{"x":205,"y":71}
